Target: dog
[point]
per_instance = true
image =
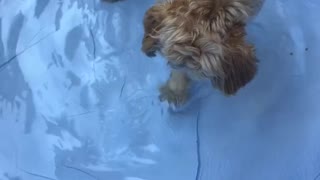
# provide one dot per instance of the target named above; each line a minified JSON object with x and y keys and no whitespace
{"x":201,"y":39}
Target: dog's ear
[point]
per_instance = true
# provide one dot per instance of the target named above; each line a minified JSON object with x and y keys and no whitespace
{"x":239,"y":67}
{"x":152,"y":24}
{"x":239,"y":63}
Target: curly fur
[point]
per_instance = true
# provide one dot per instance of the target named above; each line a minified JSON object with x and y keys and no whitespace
{"x":204,"y":37}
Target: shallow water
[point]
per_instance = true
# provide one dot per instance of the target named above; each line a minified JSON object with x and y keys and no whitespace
{"x":78,"y":100}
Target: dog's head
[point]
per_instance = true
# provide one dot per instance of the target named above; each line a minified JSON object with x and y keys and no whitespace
{"x":203,"y":37}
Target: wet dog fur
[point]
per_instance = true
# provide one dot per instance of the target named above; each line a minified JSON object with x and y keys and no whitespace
{"x":201,"y":39}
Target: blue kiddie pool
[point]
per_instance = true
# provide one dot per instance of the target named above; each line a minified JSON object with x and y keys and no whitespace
{"x":79,"y":100}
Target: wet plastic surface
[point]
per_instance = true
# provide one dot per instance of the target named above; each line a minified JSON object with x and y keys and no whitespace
{"x":78,"y":100}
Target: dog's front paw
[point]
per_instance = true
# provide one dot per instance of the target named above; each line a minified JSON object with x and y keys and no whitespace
{"x":177,"y":98}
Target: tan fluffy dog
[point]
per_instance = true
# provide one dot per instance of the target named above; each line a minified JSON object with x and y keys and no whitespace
{"x":201,"y":39}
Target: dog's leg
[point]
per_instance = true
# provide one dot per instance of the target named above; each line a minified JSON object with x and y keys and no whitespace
{"x":175,"y":90}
